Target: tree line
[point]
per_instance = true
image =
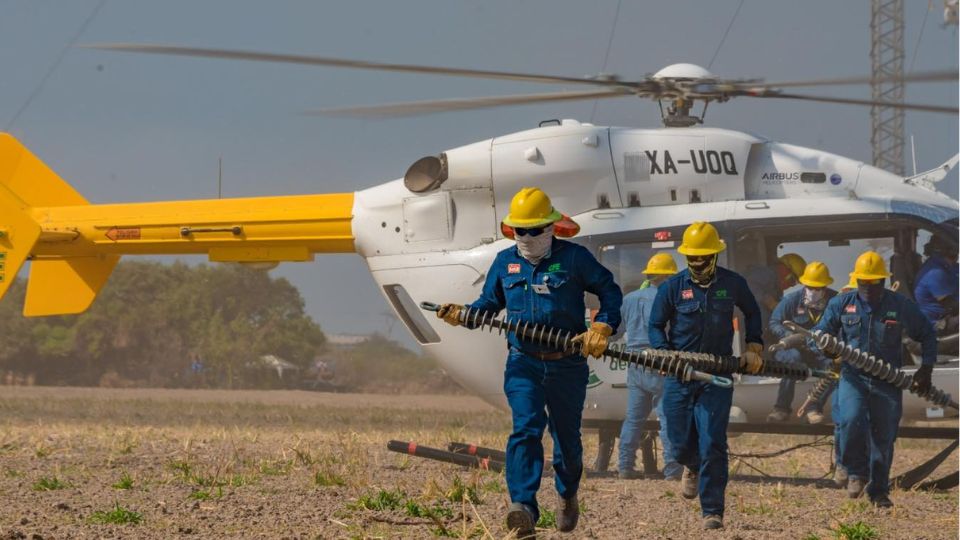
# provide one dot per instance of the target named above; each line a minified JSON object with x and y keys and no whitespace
{"x":156,"y":324}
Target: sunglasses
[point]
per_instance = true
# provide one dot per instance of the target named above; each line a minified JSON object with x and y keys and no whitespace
{"x":519,"y":231}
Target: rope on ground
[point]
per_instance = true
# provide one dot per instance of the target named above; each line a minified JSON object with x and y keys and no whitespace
{"x":821,"y":441}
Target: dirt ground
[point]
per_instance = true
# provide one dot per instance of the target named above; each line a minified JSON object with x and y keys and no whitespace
{"x":94,"y":463}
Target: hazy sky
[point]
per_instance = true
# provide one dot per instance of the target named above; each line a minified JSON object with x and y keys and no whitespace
{"x":123,"y":127}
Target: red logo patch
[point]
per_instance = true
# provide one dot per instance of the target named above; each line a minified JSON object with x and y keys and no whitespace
{"x":513,"y":268}
{"x":852,"y":308}
{"x":686,"y":294}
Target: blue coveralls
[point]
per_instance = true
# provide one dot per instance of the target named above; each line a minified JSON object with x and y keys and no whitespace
{"x":549,"y":293}
{"x":937,"y":278}
{"x":791,"y":308}
{"x":697,"y":413}
{"x":644,"y":387}
{"x":868,"y":410}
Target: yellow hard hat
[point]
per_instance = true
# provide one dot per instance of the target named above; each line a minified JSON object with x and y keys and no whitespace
{"x":852,"y":284}
{"x":794,"y":262}
{"x":661,"y":264}
{"x":816,"y":274}
{"x":531,"y":208}
{"x":869,"y":265}
{"x":701,"y":238}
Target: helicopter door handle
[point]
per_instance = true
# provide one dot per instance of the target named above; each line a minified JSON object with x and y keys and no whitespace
{"x":757,"y":206}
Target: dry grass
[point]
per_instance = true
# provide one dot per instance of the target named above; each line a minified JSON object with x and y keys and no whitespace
{"x":156,"y":465}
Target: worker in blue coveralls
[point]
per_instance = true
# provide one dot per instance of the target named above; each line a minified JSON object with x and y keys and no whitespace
{"x":937,"y":289}
{"x":644,"y":386}
{"x":542,"y":280}
{"x":872,"y":319}
{"x":803,"y":307}
{"x":697,"y":305}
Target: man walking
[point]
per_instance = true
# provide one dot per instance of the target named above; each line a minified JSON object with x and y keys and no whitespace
{"x":644,"y":386}
{"x":542,"y":280}
{"x":697,"y":305}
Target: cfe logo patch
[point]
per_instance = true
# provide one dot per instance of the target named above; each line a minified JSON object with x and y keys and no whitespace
{"x":686,"y":294}
{"x":555,"y":267}
{"x":513,"y":268}
{"x":721,"y":293}
{"x":852,"y":308}
{"x":593,"y":381}
{"x":892,"y":314}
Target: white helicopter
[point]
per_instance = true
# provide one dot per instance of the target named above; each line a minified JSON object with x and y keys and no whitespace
{"x":432,"y":234}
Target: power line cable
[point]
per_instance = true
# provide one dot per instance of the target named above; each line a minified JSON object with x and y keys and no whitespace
{"x":916,"y":48}
{"x":727,"y":31}
{"x":606,"y":55}
{"x":63,"y":53}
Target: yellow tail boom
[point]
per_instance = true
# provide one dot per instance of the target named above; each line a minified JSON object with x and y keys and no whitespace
{"x":73,"y":246}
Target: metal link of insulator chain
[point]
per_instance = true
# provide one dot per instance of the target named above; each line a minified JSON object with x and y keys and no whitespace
{"x":672,"y":363}
{"x":870,"y":364}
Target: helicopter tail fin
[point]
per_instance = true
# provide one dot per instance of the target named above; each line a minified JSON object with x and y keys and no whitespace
{"x":57,"y":285}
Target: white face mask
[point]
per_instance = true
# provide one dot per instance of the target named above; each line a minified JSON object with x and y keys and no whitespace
{"x":814,"y":298}
{"x":535,"y":248}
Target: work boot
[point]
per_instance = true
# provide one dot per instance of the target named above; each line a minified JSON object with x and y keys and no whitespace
{"x":520,"y":519}
{"x":855,"y":487}
{"x":814,"y":417}
{"x":712,"y":522}
{"x":840,"y":477}
{"x":568,"y":514}
{"x":629,"y":474}
{"x":881,"y":501}
{"x":778,"y":415}
{"x":688,"y":483}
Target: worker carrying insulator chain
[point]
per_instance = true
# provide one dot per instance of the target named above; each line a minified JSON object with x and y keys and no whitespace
{"x":542,"y":280}
{"x":868,"y":409}
{"x":693,"y":311}
{"x":804,"y":307}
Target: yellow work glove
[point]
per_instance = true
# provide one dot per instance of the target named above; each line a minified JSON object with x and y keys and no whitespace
{"x":450,"y":313}
{"x":594,"y":341}
{"x":751,"y":362}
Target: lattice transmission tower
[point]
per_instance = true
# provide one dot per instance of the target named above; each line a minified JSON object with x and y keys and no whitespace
{"x":886,"y":59}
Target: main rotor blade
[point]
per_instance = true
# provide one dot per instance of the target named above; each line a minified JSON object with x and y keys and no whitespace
{"x":355,"y":64}
{"x":444,"y":105}
{"x":869,"y":102}
{"x":926,"y":76}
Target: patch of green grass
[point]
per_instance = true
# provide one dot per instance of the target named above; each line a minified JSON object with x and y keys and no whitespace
{"x":327,"y":478}
{"x":117,"y":516}
{"x":548,"y":519}
{"x":855,"y":531}
{"x":854,"y":507}
{"x":460,"y":491}
{"x":761,"y":509}
{"x":414,"y":509}
{"x":42,"y":451}
{"x":494,"y":486}
{"x":49,"y":483}
{"x":811,"y":536}
{"x":275,"y":468}
{"x":126,"y":482}
{"x":206,"y":494}
{"x":207,"y":481}
{"x":381,"y":500}
{"x":183,"y":468}
{"x":238,"y":480}
{"x":11,"y":473}
{"x":668,"y":495}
